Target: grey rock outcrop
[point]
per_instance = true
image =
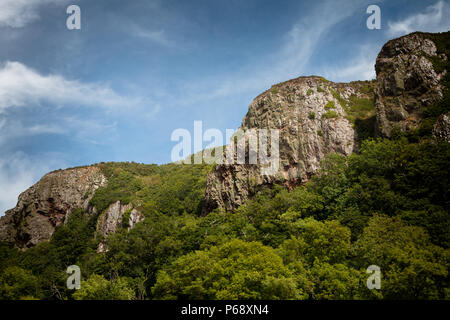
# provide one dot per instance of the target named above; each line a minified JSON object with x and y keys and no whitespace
{"x":312,"y":123}
{"x":112,"y":219}
{"x":407,"y":82}
{"x":48,"y":203}
{"x":441,"y":129}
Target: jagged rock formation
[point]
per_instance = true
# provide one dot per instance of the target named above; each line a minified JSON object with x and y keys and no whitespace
{"x":48,"y":203}
{"x":407,"y":81}
{"x":441,"y":129}
{"x":113,"y":218}
{"x":311,"y":116}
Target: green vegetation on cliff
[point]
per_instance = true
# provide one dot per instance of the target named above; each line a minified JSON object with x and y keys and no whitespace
{"x":169,"y":188}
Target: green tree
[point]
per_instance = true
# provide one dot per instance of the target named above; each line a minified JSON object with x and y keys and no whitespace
{"x":327,"y":241}
{"x":336,"y":281}
{"x":17,"y":283}
{"x":412,"y":267}
{"x":99,"y":288}
{"x":234,"y":270}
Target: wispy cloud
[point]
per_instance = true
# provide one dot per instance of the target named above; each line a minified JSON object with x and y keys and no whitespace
{"x":87,"y":130}
{"x":434,"y":19}
{"x":42,"y":128}
{"x":12,"y":128}
{"x":18,"y":13}
{"x":289,"y":61}
{"x":22,"y":86}
{"x":157,"y":36}
{"x":32,"y":104}
{"x":360,"y":67}
{"x":92,"y":131}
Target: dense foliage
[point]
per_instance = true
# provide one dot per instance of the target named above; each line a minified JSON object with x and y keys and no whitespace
{"x":385,"y":206}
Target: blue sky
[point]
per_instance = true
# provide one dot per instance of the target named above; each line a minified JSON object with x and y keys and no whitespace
{"x":137,"y":70}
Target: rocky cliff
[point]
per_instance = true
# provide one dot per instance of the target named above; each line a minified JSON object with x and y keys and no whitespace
{"x":314,"y":117}
{"x":317,"y":117}
{"x":409,"y":80}
{"x":47,"y":204}
{"x":441,"y":128}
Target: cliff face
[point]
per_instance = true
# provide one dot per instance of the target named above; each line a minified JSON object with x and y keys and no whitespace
{"x":47,"y":204}
{"x":116,"y":216}
{"x":407,"y":81}
{"x":313,"y":118}
{"x":410,"y":79}
{"x":441,"y":129}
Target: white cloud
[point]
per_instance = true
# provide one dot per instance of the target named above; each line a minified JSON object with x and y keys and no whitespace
{"x":87,"y":129}
{"x":43,"y":128}
{"x":157,"y":36}
{"x":435,"y":19}
{"x":18,"y":172}
{"x":50,"y":102}
{"x":360,"y":67}
{"x":304,"y":38}
{"x":22,"y":86}
{"x":18,"y":13}
{"x":11,"y":129}
{"x":93,"y":131}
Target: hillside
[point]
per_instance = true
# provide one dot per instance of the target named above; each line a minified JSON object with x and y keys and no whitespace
{"x":363,"y":180}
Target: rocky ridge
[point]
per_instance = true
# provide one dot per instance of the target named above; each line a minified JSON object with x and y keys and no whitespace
{"x":410,"y":79}
{"x":314,"y":116}
{"x":407,"y":81}
{"x":48,"y":203}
